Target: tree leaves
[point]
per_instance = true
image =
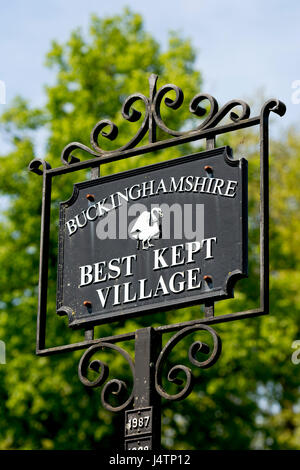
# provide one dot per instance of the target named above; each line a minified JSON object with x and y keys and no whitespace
{"x":250,"y":397}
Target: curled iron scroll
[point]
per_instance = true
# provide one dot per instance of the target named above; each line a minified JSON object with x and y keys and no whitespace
{"x":196,"y":347}
{"x":173,"y":104}
{"x":39,"y":166}
{"x":130,"y":114}
{"x":273,"y":105}
{"x":210,"y":113}
{"x":109,"y":130}
{"x":114,"y":386}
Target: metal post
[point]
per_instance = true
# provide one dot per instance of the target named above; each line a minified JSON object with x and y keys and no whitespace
{"x":143,"y":423}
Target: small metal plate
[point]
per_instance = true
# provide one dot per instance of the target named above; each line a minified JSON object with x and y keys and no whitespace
{"x":143,"y":443}
{"x":138,"y":421}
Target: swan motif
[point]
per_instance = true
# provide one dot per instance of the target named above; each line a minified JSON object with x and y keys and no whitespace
{"x":147,"y":227}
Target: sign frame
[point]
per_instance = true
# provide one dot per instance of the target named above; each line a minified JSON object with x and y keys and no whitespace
{"x":150,"y":356}
{"x":208,"y":131}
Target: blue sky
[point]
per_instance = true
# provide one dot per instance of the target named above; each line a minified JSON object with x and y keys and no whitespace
{"x":245,"y":49}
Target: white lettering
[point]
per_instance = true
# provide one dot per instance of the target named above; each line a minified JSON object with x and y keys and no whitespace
{"x":181,"y":284}
{"x":146,"y":188}
{"x":161,"y":186}
{"x":219,"y":184}
{"x":209,"y":246}
{"x":192,"y":278}
{"x":88,"y":213}
{"x":101,"y":208}
{"x":159,"y":261}
{"x":99,"y":272}
{"x":142,"y":295}
{"x":72,"y":227}
{"x":114,"y":269}
{"x":128,"y":263}
{"x":231,"y":186}
{"x":161,"y":286}
{"x":176,"y":253}
{"x":117,"y":294}
{"x":138,"y":192}
{"x":86,"y":275}
{"x":189,"y":183}
{"x":179,"y":187}
{"x":127,"y":293}
{"x":79,"y":225}
{"x":192,"y":247}
{"x":202,"y":184}
{"x":103,"y":298}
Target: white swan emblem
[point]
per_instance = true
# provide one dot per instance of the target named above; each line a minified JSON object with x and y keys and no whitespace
{"x":147,"y":227}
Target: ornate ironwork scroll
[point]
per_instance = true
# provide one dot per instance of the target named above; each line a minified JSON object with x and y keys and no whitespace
{"x":113,"y":386}
{"x":196,"y":347}
{"x":108,"y":130}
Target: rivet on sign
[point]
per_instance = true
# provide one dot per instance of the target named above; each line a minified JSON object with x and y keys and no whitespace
{"x":208,"y":169}
{"x":87,"y":303}
{"x":90,"y":197}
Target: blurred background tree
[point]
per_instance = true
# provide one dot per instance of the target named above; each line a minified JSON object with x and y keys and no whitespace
{"x":250,"y":398}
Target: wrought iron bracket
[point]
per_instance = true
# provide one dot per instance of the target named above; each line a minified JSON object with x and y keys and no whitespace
{"x":150,"y":357}
{"x":143,"y":428}
{"x":148,"y":343}
{"x":208,"y":129}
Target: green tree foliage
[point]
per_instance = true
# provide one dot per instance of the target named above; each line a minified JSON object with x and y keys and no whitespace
{"x":250,"y":398}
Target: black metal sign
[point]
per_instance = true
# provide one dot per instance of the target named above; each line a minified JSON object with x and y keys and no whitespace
{"x":170,"y":234}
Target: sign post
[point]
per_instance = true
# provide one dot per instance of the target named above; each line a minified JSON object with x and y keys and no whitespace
{"x":143,"y":422}
{"x":168,"y":235}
